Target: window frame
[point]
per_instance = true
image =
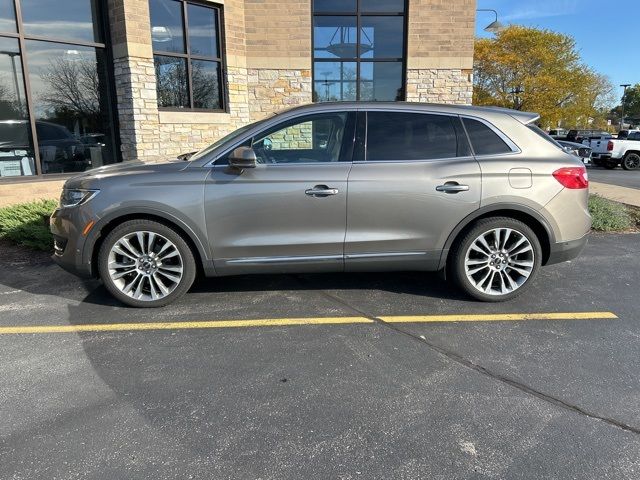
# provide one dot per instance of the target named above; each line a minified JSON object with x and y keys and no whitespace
{"x":224,"y":104}
{"x":358,"y":59}
{"x":101,"y":21}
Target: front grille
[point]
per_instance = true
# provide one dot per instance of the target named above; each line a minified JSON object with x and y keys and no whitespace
{"x":584,"y":152}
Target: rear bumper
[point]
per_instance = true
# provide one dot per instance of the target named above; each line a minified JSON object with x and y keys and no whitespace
{"x":563,"y":251}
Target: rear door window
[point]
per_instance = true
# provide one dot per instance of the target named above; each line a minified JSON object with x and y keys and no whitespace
{"x":484,"y":140}
{"x":400,"y":136}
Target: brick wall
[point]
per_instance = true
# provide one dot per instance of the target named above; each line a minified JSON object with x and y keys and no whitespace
{"x":441,"y":34}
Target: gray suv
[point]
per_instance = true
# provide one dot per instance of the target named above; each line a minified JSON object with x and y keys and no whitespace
{"x":481,"y":194}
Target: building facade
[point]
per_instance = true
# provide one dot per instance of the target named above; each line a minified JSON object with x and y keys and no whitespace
{"x":85,"y":83}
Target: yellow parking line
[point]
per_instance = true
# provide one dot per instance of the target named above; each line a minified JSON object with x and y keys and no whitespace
{"x":500,"y":317}
{"x":280,"y":322}
{"x":110,"y":327}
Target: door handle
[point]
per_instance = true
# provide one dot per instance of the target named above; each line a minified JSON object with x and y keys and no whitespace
{"x":321,"y":191}
{"x":452,"y":187}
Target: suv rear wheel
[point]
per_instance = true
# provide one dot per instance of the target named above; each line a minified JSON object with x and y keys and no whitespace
{"x":146,"y":264}
{"x":496,"y":260}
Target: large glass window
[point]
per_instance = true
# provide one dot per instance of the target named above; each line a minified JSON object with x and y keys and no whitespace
{"x":64,"y":105}
{"x":16,"y":146}
{"x":358,"y":50}
{"x":187,"y":54}
{"x":68,"y":19}
{"x":7,"y":16}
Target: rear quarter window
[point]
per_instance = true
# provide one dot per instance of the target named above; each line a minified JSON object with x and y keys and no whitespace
{"x":483,"y":139}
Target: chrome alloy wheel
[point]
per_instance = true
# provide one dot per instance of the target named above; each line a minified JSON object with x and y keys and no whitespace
{"x":499,"y":261}
{"x":145,"y":265}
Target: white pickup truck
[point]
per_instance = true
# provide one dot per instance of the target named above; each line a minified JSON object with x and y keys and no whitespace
{"x":611,"y":152}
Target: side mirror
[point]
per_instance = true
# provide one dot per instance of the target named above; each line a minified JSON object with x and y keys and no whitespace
{"x":243,"y":157}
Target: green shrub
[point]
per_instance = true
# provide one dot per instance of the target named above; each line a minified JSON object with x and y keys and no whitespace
{"x":26,"y":224}
{"x":608,"y":216}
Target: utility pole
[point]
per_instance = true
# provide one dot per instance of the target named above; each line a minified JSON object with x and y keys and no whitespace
{"x":624,"y":95}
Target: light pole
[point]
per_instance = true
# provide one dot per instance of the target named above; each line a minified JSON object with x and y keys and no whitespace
{"x":624,"y":94}
{"x":495,"y":26}
{"x":16,"y":85}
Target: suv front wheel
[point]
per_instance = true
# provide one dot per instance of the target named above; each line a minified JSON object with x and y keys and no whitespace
{"x":146,"y":264}
{"x":496,"y":260}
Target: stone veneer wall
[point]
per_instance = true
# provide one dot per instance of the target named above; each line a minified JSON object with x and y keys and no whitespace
{"x":137,"y":108}
{"x":440,"y":86}
{"x":271,"y":90}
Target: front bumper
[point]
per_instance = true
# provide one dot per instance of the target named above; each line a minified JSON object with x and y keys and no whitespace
{"x":66,"y":226}
{"x":563,"y":251}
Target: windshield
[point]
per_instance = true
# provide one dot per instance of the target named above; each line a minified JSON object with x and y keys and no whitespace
{"x":227,"y":138}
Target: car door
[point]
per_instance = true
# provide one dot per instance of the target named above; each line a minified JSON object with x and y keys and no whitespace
{"x":288,"y":214}
{"x":413,"y":180}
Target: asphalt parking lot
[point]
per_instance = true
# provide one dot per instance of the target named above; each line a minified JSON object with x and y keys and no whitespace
{"x":620,"y":177}
{"x":552,"y":396}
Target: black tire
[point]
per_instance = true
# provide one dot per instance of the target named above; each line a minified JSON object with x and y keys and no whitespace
{"x":456,"y":263}
{"x":188,"y":262}
{"x":631,"y":161}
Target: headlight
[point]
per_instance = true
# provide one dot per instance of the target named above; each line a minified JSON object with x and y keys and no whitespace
{"x":76,"y":196}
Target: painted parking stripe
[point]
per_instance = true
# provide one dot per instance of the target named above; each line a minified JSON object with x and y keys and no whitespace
{"x":111,"y":327}
{"x":280,"y":322}
{"x":501,"y":317}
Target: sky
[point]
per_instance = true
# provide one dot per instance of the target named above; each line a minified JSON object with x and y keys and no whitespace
{"x":606,"y":32}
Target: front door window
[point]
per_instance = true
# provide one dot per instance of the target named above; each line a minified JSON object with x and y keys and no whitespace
{"x":311,"y":139}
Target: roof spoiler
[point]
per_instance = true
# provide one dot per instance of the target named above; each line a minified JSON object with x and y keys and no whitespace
{"x":526,"y":118}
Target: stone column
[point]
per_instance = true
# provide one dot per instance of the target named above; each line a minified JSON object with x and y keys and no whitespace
{"x":135,"y":79}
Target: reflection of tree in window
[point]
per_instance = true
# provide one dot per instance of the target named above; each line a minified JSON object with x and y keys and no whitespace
{"x":73,"y":87}
{"x":10,"y":106}
{"x":172,"y":81}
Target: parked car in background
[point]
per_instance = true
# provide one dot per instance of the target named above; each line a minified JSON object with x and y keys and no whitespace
{"x":609,"y":153}
{"x":579,"y":136}
{"x":578,"y":149}
{"x":558,"y":133}
{"x":481,"y":193}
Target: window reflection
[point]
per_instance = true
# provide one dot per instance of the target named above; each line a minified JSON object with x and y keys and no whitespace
{"x":334,"y":81}
{"x":16,"y":147}
{"x":70,"y":104}
{"x":381,"y":37}
{"x":68,"y":19}
{"x":389,"y":6}
{"x":335,"y":37}
{"x":171,"y":81}
{"x":167,"y":34}
{"x":337,"y":6}
{"x":381,"y":81}
{"x":206,"y":81}
{"x":203,"y":37}
{"x":7,"y":16}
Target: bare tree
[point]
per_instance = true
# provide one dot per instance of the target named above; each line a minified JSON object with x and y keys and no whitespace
{"x":73,"y":86}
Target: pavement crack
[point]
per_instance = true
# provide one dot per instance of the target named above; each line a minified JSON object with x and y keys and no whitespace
{"x":459,"y":359}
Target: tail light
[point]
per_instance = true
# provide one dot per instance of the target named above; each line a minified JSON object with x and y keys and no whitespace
{"x":572,"y":177}
{"x":609,"y":146}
